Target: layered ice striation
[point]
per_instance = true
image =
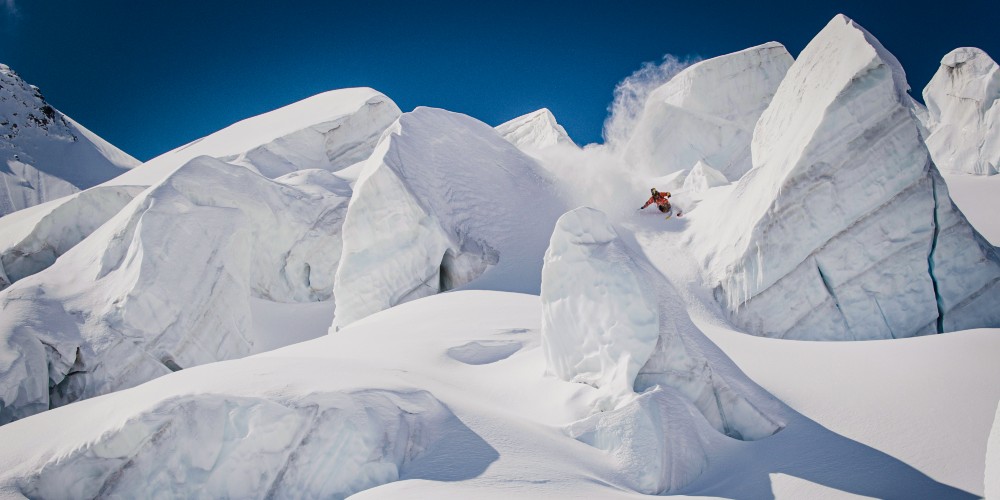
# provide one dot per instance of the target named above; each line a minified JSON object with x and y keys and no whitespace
{"x":707,"y":113}
{"x":610,"y":320}
{"x":963,"y":113}
{"x":323,"y":445}
{"x":844,"y":229}
{"x":120,"y":308}
{"x":44,"y":154}
{"x":443,"y":202}
{"x":326,"y":132}
{"x":534,"y":131}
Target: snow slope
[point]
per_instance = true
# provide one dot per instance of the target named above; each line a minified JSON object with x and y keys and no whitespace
{"x":844,"y":228}
{"x":444,"y":202}
{"x":44,"y":154}
{"x":535,"y":130}
{"x":707,"y":113}
{"x":120,"y":308}
{"x":963,"y":104}
{"x":497,"y":427}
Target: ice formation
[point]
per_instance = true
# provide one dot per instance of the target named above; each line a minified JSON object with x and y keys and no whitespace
{"x":323,"y":445}
{"x":844,"y":229}
{"x":119,"y":308}
{"x":658,"y":440}
{"x":963,"y":106}
{"x":702,"y":178}
{"x":440,"y":203}
{"x":535,"y":130}
{"x":707,"y":113}
{"x":611,"y":321}
{"x":46,"y":155}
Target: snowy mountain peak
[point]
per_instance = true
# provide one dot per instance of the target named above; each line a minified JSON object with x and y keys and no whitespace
{"x":536,"y":130}
{"x":963,"y":105}
{"x":707,"y":112}
{"x":44,"y":154}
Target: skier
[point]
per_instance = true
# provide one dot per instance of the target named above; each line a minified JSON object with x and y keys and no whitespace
{"x":661,"y":200}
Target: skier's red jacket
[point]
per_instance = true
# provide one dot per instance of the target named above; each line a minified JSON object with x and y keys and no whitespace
{"x":659,"y":198}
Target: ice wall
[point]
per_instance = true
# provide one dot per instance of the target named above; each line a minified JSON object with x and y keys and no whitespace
{"x":963,"y":113}
{"x":844,"y":229}
{"x":443,"y":202}
{"x":708,"y":112}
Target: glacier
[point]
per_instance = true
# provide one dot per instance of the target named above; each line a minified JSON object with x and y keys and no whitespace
{"x":46,"y":155}
{"x":843,"y":229}
{"x":129,"y":311}
{"x":963,"y":113}
{"x":707,"y":113}
{"x":433,"y":211}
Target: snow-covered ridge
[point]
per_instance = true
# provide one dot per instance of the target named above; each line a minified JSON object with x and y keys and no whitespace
{"x":536,"y":130}
{"x":707,"y":113}
{"x":45,"y":154}
{"x":438,"y":206}
{"x":844,"y":228}
{"x":963,"y":105}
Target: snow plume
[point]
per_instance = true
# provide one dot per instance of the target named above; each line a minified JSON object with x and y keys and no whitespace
{"x":595,"y":177}
{"x":631,"y":93}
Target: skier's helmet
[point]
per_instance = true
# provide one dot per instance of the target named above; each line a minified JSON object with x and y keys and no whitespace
{"x":652,"y":191}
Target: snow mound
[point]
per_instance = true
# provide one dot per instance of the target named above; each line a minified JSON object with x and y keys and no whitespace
{"x":535,"y":130}
{"x":612,"y":321}
{"x":658,"y":440}
{"x":44,"y":154}
{"x":119,"y":308}
{"x":707,"y":112}
{"x":443,"y":202}
{"x":32,"y":239}
{"x":963,"y":105}
{"x":844,"y":229}
{"x":328,"y":131}
{"x":702,"y":178}
{"x":324,"y":445}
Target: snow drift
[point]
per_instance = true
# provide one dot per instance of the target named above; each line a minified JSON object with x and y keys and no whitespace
{"x":963,"y":106}
{"x":844,"y":228}
{"x":707,"y":113}
{"x":611,"y":321}
{"x":119,"y":308}
{"x":46,"y":155}
{"x":442,"y":202}
{"x":535,"y":130}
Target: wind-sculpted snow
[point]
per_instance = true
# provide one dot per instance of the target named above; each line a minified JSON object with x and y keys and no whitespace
{"x":707,"y":112}
{"x":120,"y":308}
{"x":611,"y":321}
{"x":844,"y":229}
{"x":324,"y":445}
{"x":32,"y":239}
{"x":702,"y":178}
{"x":44,"y":154}
{"x":535,"y":130}
{"x":963,"y":105}
{"x":443,"y":202}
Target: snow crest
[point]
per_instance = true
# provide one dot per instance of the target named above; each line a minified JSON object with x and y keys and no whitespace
{"x":127,"y":310}
{"x":535,"y":130}
{"x":443,"y":202}
{"x":844,"y":229}
{"x":707,"y":113}
{"x":44,"y":154}
{"x":963,"y":105}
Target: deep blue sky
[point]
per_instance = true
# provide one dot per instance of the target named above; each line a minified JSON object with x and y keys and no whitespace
{"x":152,"y":75}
